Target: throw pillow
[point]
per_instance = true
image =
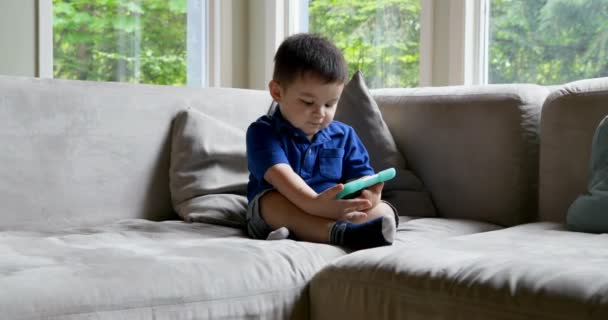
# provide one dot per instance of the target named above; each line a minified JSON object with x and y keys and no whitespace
{"x":589,"y":212}
{"x":358,"y":109}
{"x":208,"y":174}
{"x":221,"y":209}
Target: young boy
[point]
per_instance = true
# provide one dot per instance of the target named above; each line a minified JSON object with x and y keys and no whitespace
{"x":299,"y":158}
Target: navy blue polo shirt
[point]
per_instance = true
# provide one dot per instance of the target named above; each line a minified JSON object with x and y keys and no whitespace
{"x":335,"y":154}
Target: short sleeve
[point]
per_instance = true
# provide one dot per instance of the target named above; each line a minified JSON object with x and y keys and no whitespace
{"x":356,"y":159}
{"x":264,"y":149}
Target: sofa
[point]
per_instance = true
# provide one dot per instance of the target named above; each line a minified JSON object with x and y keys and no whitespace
{"x":89,"y":228}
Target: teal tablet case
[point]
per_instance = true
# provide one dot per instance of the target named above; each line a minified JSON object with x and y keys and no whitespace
{"x":352,"y":187}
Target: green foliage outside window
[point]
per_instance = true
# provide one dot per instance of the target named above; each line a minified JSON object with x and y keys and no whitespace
{"x":118,"y":40}
{"x":548,"y":41}
{"x":535,"y":41}
{"x":380,"y":38}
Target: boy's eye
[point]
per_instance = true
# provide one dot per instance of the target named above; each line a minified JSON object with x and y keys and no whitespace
{"x":308,"y":103}
{"x":331,"y":104}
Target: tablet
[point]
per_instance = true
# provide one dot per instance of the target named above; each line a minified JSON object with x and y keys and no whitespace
{"x":352,"y":188}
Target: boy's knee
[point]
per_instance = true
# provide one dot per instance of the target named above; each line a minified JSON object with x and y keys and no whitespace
{"x":270,"y":199}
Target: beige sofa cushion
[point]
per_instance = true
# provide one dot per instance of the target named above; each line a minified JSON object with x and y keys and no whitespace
{"x":475,"y":148}
{"x":569,"y":118}
{"x":533,"y":271}
{"x":417,"y":231}
{"x":138,"y":269}
{"x":82,"y":153}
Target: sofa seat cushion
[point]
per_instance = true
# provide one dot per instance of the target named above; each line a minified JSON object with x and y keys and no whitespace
{"x":138,"y":269}
{"x":532,"y":271}
{"x":419,"y":231}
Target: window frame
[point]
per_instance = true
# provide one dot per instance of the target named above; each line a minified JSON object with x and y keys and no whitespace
{"x":466,"y":28}
{"x":209,"y":36}
{"x":45,"y":38}
{"x":453,"y":40}
{"x":465,"y":53}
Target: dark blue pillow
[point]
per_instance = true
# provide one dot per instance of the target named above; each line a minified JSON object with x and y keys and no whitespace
{"x":589,"y":212}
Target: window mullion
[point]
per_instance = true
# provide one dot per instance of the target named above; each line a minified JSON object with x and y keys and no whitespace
{"x":477,"y":48}
{"x":468,"y":42}
{"x":45,"y":39}
{"x":196,"y":56}
{"x":426,"y":42}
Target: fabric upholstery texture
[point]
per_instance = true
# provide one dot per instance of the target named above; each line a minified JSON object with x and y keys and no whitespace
{"x":82,"y":153}
{"x":589,"y":212}
{"x":138,"y":269}
{"x":532,"y":271}
{"x":415,"y":231}
{"x":569,"y":118}
{"x":358,"y":109}
{"x":208,"y":172}
{"x":475,"y":148}
{"x":85,"y":169}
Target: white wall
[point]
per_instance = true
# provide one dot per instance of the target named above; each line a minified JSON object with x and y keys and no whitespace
{"x":240,"y":44}
{"x":18,"y":38}
{"x":441,"y":43}
{"x":257,"y":41}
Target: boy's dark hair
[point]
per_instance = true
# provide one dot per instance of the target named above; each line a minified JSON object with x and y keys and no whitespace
{"x":308,"y":53}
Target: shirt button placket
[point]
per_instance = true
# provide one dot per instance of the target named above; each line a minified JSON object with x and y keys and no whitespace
{"x":309,"y":161}
{"x":304,"y":169}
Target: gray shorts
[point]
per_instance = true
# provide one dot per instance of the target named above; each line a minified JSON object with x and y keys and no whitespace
{"x":257,"y":228}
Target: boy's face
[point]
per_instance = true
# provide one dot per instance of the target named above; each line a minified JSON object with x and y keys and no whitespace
{"x":309,"y":103}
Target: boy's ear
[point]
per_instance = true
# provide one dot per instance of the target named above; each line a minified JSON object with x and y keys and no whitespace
{"x":275,"y":90}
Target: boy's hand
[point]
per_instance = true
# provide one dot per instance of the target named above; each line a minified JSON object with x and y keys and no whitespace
{"x":326,"y":205}
{"x":372,"y":193}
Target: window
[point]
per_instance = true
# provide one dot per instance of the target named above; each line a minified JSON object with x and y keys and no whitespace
{"x":115,"y":40}
{"x":462,"y":41}
{"x":380,"y":38}
{"x":547,"y":42}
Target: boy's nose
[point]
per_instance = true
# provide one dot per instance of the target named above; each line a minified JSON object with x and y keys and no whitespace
{"x":319,"y":109}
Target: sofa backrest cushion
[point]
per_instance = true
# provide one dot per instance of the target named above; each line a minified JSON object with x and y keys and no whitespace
{"x":570,"y":116}
{"x":475,"y":148}
{"x":77,"y":153}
